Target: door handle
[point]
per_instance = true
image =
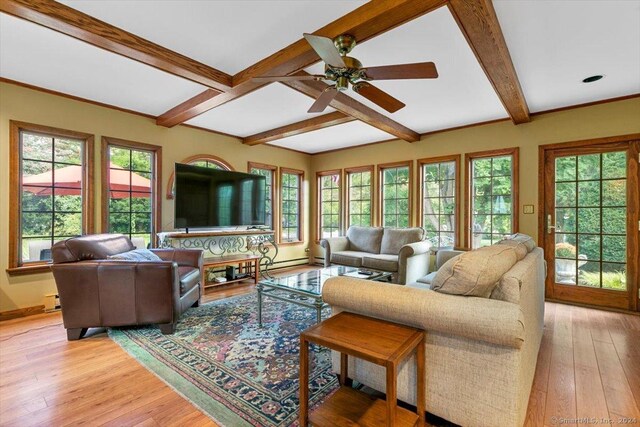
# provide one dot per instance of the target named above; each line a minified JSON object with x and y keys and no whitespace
{"x":550,"y":226}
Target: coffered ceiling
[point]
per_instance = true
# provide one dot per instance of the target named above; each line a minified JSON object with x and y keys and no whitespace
{"x":553,"y":45}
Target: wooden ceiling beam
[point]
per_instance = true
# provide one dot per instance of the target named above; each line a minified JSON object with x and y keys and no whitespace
{"x":304,"y":126}
{"x":367,"y":21}
{"x":69,"y":21}
{"x":478,"y":21}
{"x":355,"y":109}
{"x":202,"y":103}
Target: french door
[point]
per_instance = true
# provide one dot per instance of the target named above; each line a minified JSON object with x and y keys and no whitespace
{"x":591,"y":224}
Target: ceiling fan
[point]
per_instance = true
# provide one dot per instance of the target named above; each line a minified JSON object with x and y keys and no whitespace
{"x":345,"y":70}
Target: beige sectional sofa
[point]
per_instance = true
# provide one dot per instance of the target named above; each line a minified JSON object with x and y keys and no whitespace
{"x":481,"y":352}
{"x":398,"y":250}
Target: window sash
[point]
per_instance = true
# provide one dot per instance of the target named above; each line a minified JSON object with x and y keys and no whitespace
{"x":291,"y":206}
{"x":329,"y":206}
{"x":134,"y":212}
{"x":270,"y":174}
{"x":395,"y":210}
{"x":439,"y":185}
{"x":44,"y":212}
{"x":356,"y":205}
{"x":491,"y":196}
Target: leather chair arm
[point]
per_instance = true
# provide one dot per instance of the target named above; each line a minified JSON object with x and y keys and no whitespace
{"x":184,"y":257}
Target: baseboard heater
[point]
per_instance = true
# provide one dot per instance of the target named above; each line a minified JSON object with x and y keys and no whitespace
{"x":52,"y":302}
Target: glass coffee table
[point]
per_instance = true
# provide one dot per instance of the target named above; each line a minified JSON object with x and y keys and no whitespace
{"x":305,"y":289}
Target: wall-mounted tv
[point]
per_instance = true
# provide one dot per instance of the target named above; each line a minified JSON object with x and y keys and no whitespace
{"x":206,"y":197}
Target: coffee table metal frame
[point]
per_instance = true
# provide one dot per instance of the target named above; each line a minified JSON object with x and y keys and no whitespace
{"x":304,"y":297}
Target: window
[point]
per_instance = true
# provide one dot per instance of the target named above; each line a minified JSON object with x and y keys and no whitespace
{"x":439,"y":193}
{"x":329,"y":204}
{"x":395,"y":194}
{"x":291,"y":205}
{"x":203,"y":160}
{"x":269,"y":172}
{"x":51,"y":196}
{"x":492,"y":197}
{"x":131,"y":173}
{"x":359,"y":200}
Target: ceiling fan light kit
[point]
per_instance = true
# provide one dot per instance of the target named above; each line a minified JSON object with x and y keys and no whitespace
{"x":345,"y":70}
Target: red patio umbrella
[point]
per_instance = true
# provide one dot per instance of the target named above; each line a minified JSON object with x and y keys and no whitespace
{"x":69,"y":178}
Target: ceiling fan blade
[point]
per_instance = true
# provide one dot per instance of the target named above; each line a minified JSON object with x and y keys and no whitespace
{"x":378,"y":97}
{"x":323,"y":100}
{"x":286,"y":78}
{"x":421,"y":70}
{"x":326,"y":50}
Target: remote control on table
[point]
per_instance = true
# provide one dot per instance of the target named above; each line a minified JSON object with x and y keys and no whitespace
{"x":365,"y":272}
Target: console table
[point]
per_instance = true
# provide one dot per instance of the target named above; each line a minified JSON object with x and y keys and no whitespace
{"x":226,"y":245}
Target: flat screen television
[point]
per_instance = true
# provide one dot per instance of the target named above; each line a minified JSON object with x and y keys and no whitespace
{"x":206,"y":198}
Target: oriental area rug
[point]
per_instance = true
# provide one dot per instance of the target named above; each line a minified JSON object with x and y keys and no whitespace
{"x":228,"y":367}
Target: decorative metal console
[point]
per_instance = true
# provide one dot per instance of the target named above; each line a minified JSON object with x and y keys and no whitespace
{"x":226,"y":244}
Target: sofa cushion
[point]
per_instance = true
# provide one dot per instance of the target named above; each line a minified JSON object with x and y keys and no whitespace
{"x":135,"y":255}
{"x":519,"y":247}
{"x":381,"y":262}
{"x":351,"y":258}
{"x":189,"y":278}
{"x":524,"y":239}
{"x":475,"y":273}
{"x":522,"y":243}
{"x":393,"y":239}
{"x":508,"y":289}
{"x":428,"y":278}
{"x":365,"y":239}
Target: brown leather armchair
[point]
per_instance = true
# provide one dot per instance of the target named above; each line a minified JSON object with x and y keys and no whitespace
{"x":98,"y":292}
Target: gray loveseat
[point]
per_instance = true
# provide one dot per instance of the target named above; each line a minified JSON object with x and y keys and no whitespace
{"x":398,"y":250}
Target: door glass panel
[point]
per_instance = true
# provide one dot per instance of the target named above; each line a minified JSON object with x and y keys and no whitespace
{"x":591,"y":215}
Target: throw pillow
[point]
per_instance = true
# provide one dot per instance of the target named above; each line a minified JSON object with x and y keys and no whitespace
{"x":525,"y":239}
{"x":364,"y":239}
{"x":508,"y":289}
{"x":135,"y":255}
{"x":522,"y":243}
{"x":475,"y":273}
{"x":519,"y":247}
{"x":393,"y":239}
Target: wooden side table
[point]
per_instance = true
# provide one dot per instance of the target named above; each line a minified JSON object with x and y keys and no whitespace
{"x":377,"y":341}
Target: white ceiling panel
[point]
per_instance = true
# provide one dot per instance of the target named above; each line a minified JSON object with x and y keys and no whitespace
{"x":38,"y":56}
{"x":346,"y":135}
{"x":460,"y":95}
{"x":556,"y":44}
{"x":227,"y":35}
{"x":267,"y":108}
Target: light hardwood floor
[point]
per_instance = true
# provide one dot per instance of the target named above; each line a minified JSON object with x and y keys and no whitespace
{"x":588,"y":367}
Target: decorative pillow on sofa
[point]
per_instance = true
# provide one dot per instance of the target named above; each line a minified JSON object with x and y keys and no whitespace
{"x":475,"y":273}
{"x":393,"y":239}
{"x":365,"y":239}
{"x":519,"y":247}
{"x":521,"y":243}
{"x":135,"y":255}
